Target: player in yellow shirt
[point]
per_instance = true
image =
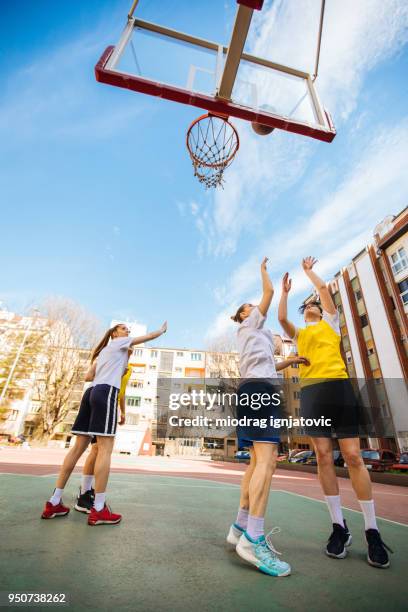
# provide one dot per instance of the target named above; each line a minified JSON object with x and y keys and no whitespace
{"x":86,"y":494}
{"x":327,"y":391}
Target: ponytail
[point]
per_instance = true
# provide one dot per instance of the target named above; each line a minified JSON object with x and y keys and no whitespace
{"x":237,"y":316}
{"x":101,"y":345}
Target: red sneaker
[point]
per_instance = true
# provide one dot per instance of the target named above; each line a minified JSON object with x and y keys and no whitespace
{"x":51,"y":511}
{"x":103,"y":517}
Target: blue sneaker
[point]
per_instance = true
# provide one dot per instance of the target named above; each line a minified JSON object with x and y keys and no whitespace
{"x":234,"y":534}
{"x":262,"y":554}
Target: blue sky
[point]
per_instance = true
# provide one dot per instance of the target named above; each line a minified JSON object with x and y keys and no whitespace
{"x":97,"y":194}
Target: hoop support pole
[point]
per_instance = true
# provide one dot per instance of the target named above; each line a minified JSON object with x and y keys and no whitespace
{"x":319,"y":40}
{"x":235,"y":49}
{"x":133,"y":8}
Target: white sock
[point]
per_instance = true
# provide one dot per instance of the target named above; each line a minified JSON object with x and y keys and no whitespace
{"x":86,"y":483}
{"x":56,"y":496}
{"x":242,"y":518}
{"x":367,"y":507}
{"x":334,"y":505}
{"x":255,"y":528}
{"x":99,"y":501}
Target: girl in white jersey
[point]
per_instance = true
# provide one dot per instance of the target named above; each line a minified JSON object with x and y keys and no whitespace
{"x":258,"y":371}
{"x":100,"y":421}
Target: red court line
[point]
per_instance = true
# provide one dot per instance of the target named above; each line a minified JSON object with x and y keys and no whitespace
{"x":391,"y":501}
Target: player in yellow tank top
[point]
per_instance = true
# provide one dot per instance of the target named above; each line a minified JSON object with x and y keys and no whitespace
{"x":324,"y":386}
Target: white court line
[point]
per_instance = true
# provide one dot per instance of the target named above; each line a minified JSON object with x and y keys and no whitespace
{"x":218,"y":486}
{"x":320,"y":501}
{"x":189,"y":486}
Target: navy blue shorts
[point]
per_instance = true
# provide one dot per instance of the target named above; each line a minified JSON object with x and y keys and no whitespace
{"x":98,"y":412}
{"x":249,"y":393}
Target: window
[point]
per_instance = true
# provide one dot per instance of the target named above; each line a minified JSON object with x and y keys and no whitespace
{"x":148,"y":400}
{"x":138,"y":352}
{"x":399,"y":261}
{"x":179,"y":354}
{"x":296,"y":395}
{"x":152,"y":367}
{"x":403,"y":287}
{"x":364,"y":320}
{"x":153,"y":354}
{"x":13,"y":415}
{"x":136,"y":384}
{"x":358,"y":295}
{"x":295,"y":379}
{"x":195,"y":356}
{"x":178,"y":370}
{"x":132,"y":419}
{"x":133,"y":401}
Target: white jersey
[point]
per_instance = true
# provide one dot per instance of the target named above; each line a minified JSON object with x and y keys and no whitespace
{"x":256,"y":347}
{"x":112,"y":362}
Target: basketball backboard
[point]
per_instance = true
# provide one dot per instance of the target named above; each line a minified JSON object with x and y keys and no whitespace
{"x":158,"y":61}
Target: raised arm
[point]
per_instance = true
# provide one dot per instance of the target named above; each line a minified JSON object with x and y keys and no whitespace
{"x":319,"y":284}
{"x":151,"y":336}
{"x":267,"y":289}
{"x":287,"y":326}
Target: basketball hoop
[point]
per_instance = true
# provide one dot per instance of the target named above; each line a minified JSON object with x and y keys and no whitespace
{"x":212,"y":142}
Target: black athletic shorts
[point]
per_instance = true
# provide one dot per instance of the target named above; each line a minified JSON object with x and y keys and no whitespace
{"x":251,"y":395}
{"x":334,"y":400}
{"x":98,"y":413}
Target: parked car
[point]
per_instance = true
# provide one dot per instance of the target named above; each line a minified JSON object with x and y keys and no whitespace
{"x":295,"y":451}
{"x":337,"y":459}
{"x":283,"y":457}
{"x":402,"y":464}
{"x":242,"y":455}
{"x":301,"y":457}
{"x":378,"y":460}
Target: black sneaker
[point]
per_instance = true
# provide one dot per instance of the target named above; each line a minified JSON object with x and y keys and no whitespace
{"x":349,"y":536}
{"x":85,"y":501}
{"x":339,"y":539}
{"x":377,"y":554}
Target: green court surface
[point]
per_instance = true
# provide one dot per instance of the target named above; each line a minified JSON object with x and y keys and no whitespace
{"x":169,"y":552}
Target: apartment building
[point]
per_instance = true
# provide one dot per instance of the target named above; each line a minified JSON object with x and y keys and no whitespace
{"x":152,"y":365}
{"x":371,"y":294}
{"x":19,"y":340}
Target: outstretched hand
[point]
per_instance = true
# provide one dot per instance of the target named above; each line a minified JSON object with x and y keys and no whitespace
{"x":263,"y":264}
{"x":308,"y":263}
{"x":163,"y":328}
{"x":297,"y":359}
{"x":286,"y":283}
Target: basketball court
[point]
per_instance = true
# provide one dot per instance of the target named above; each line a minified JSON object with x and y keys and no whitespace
{"x":169,"y":552}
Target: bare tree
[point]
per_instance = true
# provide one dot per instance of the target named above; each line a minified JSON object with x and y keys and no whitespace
{"x":223,"y":357}
{"x":63,"y":357}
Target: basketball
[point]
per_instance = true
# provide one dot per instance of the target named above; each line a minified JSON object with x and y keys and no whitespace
{"x":260,"y":129}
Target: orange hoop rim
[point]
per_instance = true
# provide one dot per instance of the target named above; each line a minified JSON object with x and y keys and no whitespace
{"x":196,"y":160}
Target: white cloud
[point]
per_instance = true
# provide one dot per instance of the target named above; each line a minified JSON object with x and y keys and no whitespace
{"x":336,"y":231}
{"x":357,"y":36}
